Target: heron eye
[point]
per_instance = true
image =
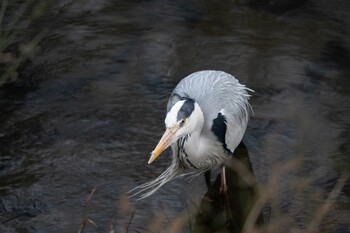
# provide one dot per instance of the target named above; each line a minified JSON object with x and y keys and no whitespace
{"x":182,"y":122}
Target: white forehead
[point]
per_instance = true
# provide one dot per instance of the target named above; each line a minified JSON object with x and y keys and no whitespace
{"x":171,"y":116}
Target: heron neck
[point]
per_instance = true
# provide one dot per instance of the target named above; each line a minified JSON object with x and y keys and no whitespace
{"x":199,"y":119}
{"x":195,"y":136}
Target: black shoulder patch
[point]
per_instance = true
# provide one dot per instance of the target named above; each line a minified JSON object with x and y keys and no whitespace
{"x":219,"y":128}
{"x":186,"y":109}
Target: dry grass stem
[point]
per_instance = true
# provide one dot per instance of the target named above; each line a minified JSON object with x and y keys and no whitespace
{"x":127,"y":225}
{"x":111,"y":229}
{"x":324,"y":209}
{"x":86,"y":219}
{"x":178,"y":223}
{"x":266,"y":192}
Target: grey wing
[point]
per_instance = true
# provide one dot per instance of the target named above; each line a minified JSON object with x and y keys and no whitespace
{"x":235,"y":128}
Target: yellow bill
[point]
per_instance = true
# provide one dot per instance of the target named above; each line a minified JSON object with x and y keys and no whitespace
{"x":162,"y":144}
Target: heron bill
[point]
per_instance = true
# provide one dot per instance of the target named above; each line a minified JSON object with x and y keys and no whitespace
{"x":163,"y":143}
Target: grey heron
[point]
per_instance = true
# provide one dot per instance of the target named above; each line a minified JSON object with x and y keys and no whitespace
{"x":207,"y":115}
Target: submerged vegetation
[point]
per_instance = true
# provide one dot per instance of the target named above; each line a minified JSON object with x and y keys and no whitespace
{"x":17,"y":40}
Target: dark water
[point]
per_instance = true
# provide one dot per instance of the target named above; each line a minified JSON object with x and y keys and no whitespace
{"x":91,"y":104}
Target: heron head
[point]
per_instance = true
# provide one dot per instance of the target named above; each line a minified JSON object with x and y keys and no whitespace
{"x":184,"y":117}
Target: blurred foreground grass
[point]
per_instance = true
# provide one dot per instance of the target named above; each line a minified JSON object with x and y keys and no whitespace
{"x":18,"y":42}
{"x":242,"y":210}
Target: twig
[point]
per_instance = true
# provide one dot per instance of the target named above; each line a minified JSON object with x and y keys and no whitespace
{"x":127,"y":225}
{"x":85,"y":217}
{"x":89,"y":197}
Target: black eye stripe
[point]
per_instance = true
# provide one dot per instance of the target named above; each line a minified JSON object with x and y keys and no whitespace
{"x":185,"y":110}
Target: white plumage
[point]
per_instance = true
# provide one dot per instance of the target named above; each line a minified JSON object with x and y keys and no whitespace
{"x":207,"y":115}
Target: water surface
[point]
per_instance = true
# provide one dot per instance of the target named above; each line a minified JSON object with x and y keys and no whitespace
{"x":91,"y":104}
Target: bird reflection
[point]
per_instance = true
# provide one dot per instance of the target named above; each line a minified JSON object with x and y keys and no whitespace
{"x":227,"y":211}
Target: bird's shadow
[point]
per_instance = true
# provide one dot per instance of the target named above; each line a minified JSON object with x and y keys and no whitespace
{"x":227,"y":212}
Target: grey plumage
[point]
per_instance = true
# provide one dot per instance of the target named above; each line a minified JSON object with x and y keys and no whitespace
{"x":225,"y":110}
